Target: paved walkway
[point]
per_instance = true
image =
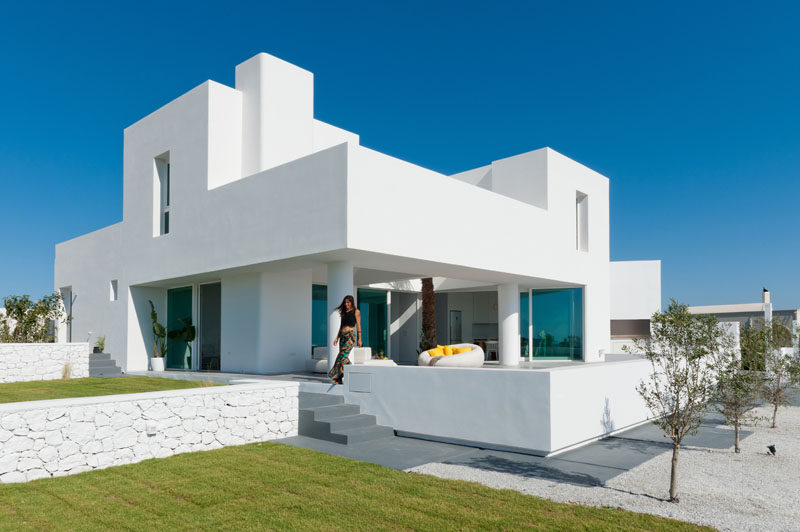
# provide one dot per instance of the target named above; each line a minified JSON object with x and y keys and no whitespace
{"x":590,"y":465}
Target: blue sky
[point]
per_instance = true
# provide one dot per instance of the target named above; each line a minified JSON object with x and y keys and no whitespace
{"x":690,"y":108}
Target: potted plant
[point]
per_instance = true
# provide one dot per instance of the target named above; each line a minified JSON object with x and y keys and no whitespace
{"x":185,"y":334}
{"x":159,"y":341}
{"x":100,"y":344}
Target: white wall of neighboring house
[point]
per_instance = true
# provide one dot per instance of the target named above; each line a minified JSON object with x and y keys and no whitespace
{"x":263,"y":197}
{"x":635,"y":289}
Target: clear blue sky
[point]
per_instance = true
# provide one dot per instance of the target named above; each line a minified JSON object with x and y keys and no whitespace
{"x":691,"y":109}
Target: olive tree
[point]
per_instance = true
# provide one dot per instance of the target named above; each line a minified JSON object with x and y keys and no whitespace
{"x":781,"y":371}
{"x":737,"y":393}
{"x":681,"y":349}
{"x":28,"y":321}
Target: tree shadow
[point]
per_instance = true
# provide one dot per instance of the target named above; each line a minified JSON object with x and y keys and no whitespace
{"x":530,"y":468}
{"x":607,"y":422}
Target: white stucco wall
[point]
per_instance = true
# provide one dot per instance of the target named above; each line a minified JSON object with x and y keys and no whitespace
{"x":529,"y":244}
{"x":635,"y":289}
{"x":41,"y":439}
{"x":261,"y":187}
{"x":42,"y":362}
{"x":540,"y":411}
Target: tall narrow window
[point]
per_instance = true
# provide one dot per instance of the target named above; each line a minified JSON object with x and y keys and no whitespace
{"x":113,"y":293}
{"x":161,"y":201}
{"x":581,"y":221}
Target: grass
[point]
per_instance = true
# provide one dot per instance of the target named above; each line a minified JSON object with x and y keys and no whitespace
{"x":13,"y":392}
{"x":271,"y":486}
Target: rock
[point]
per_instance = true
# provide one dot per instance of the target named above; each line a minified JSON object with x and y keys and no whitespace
{"x":80,"y":433}
{"x":125,"y":438}
{"x":25,"y":464}
{"x":13,"y":476}
{"x":68,"y":448}
{"x":12,"y":422}
{"x":18,"y":443}
{"x":48,"y":453}
{"x":35,"y":474}
{"x":8,"y":463}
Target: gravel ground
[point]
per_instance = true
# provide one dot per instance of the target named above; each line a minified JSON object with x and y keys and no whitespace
{"x":749,"y":491}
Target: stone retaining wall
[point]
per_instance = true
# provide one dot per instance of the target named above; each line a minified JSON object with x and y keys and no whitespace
{"x":62,"y":437}
{"x":41,"y":362}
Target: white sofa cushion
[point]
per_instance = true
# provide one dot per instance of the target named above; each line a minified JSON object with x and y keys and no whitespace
{"x":471,"y":359}
{"x":359,"y":355}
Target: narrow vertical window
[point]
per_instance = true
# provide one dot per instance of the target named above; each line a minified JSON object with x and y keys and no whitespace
{"x":113,"y":292}
{"x":161,"y":194}
{"x":581,"y":221}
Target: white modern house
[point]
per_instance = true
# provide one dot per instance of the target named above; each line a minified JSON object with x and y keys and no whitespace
{"x":254,"y":219}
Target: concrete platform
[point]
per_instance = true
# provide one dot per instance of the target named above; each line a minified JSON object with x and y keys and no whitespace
{"x":591,"y":465}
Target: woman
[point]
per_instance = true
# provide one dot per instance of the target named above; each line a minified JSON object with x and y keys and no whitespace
{"x":349,"y":333}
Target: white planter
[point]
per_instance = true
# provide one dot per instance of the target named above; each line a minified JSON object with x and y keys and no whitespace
{"x":157,"y":364}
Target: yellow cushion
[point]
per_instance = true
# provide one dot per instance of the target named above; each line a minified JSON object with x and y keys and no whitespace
{"x":436,"y":352}
{"x":448,"y":350}
{"x":459,"y":350}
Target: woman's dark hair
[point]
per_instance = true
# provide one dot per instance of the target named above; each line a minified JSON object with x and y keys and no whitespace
{"x":343,"y":308}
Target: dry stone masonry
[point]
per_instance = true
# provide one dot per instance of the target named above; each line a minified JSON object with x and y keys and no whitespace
{"x":41,"y":362}
{"x":67,"y":436}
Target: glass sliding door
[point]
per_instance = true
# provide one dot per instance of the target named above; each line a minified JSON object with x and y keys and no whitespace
{"x":179,"y":306}
{"x":524,"y":321}
{"x":557,"y":323}
{"x":210,"y":326}
{"x":319,"y":315}
{"x":373,"y":307}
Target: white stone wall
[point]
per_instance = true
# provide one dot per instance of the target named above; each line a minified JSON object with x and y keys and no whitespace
{"x":41,"y":439}
{"x":42,"y":362}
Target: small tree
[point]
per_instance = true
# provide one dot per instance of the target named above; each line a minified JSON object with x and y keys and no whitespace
{"x":736,"y":393}
{"x":781,"y":372}
{"x":682,"y":381}
{"x":27,"y":321}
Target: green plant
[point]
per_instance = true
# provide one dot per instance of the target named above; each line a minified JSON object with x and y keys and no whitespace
{"x":101,"y":343}
{"x":736,"y":394}
{"x":27,"y":321}
{"x":187,"y":333}
{"x":781,"y":371}
{"x":681,"y":349}
{"x":159,"y":334}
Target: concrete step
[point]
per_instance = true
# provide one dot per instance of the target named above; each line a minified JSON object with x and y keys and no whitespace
{"x":99,"y":356}
{"x":325,"y":413}
{"x":351,"y":422}
{"x":362,"y":434}
{"x":311,"y":400}
{"x":102,"y":363}
{"x":327,"y":417}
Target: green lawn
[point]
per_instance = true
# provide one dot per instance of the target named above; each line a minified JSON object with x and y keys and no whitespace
{"x":276,"y":487}
{"x":13,"y":392}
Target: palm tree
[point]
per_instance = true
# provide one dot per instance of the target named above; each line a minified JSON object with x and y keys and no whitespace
{"x":428,"y":336}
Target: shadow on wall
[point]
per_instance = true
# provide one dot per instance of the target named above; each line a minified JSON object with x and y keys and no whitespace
{"x":607,"y":422}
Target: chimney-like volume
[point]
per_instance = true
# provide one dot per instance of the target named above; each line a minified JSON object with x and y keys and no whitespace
{"x":765,"y":296}
{"x":277,"y":112}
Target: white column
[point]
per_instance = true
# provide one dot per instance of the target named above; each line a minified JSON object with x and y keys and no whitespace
{"x":508,"y":323}
{"x":340,"y":284}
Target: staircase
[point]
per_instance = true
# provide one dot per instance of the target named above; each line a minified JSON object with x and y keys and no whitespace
{"x":101,"y":365}
{"x":327,"y":417}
